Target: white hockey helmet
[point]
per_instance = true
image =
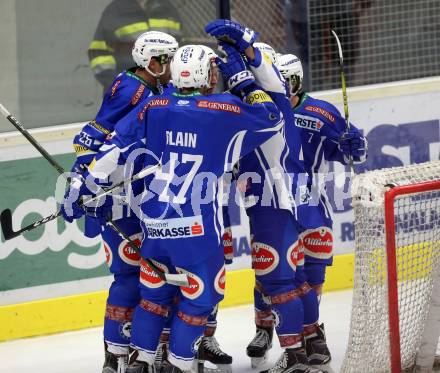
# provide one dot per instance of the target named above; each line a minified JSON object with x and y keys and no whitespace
{"x":268,"y":50}
{"x":213,"y":76}
{"x":211,"y":54}
{"x":291,"y":68}
{"x":191,"y":67}
{"x":154,"y":44}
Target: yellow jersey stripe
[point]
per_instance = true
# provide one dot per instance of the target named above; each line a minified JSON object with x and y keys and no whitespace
{"x":100,"y":45}
{"x":82,"y":150}
{"x":164,"y":23}
{"x":131,"y":29}
{"x":102,"y":60}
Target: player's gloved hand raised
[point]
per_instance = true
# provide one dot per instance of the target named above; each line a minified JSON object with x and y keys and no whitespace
{"x":353,"y":144}
{"x":232,"y":33}
{"x":234,"y":70}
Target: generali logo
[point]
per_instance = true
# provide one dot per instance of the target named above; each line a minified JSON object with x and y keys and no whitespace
{"x":222,"y":106}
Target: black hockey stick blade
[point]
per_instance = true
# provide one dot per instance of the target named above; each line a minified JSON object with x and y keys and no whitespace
{"x":6,"y":223}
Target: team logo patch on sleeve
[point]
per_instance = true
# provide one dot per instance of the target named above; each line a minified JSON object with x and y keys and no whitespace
{"x":264,"y":258}
{"x":108,"y":254}
{"x":175,"y":228}
{"x":221,"y":106}
{"x":318,"y":243}
{"x":324,"y":113}
{"x":258,"y":97}
{"x":148,"y":277}
{"x":220,"y":281}
{"x":127,"y":253}
{"x":308,"y":123}
{"x":195,"y":287}
{"x":138,"y":94}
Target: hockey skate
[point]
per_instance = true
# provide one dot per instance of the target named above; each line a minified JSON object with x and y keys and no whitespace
{"x":259,"y":347}
{"x":114,"y":363}
{"x":316,"y":347}
{"x":210,"y":351}
{"x":140,"y":367}
{"x":293,"y":360}
{"x":167,"y":367}
{"x":161,"y":355}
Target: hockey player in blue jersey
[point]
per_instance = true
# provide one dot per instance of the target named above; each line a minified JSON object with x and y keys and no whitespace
{"x":324,"y":138}
{"x":180,"y":209}
{"x":266,"y":177}
{"x":151,"y":53}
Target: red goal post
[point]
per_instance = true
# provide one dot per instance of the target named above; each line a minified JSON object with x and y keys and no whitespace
{"x":397,"y":263}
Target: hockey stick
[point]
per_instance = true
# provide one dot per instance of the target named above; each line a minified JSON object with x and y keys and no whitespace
{"x":344,"y":86}
{"x":344,"y":90}
{"x":29,"y":137}
{"x":173,"y":279}
{"x":9,"y":233}
{"x":6,"y":215}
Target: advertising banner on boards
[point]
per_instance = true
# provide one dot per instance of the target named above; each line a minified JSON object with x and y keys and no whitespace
{"x":400,"y":130}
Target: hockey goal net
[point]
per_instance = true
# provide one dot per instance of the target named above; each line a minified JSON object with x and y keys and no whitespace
{"x":397,"y":223}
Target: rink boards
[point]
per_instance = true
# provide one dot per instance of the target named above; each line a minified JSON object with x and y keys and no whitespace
{"x":54,"y":279}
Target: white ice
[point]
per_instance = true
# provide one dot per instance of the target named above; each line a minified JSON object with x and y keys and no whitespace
{"x":82,"y":351}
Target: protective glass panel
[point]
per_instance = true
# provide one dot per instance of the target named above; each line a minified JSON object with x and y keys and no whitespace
{"x":57,"y":55}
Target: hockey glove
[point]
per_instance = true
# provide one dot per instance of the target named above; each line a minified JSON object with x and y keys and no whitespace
{"x":72,"y":207}
{"x":353,"y":144}
{"x":234,"y":70}
{"x":79,"y":167}
{"x":232,"y":33}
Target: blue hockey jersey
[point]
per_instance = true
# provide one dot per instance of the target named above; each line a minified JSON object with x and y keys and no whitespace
{"x":196,"y":139}
{"x":124,"y":94}
{"x":321,"y":126}
{"x":268,"y":175}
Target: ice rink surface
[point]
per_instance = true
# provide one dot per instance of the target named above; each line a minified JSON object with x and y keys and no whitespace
{"x":82,"y":351}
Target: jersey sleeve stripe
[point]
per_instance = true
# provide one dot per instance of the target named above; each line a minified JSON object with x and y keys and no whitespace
{"x":100,"y":45}
{"x":128,"y":30}
{"x":103,"y":61}
{"x":164,"y":23}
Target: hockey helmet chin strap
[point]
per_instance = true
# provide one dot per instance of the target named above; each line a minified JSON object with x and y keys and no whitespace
{"x":156,"y":75}
{"x":163,"y":60}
